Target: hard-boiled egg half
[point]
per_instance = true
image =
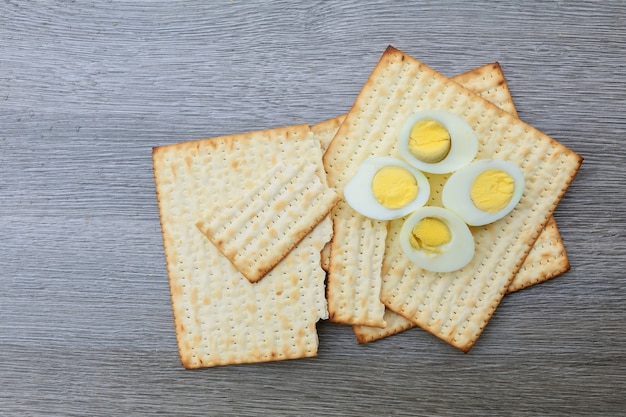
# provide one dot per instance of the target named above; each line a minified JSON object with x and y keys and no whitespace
{"x":437,"y":240}
{"x":385,"y":188}
{"x":436,"y":141}
{"x":483,"y":191}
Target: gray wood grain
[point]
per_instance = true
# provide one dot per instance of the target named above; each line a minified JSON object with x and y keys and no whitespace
{"x":88,"y":88}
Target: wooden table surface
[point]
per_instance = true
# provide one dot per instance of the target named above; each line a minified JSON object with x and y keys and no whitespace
{"x":88,"y":88}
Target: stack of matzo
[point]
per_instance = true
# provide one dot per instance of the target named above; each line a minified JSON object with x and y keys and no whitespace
{"x":220,"y":316}
{"x":245,"y":270}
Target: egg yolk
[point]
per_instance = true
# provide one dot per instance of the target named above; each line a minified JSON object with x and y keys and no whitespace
{"x":394,"y":187}
{"x":429,"y":234}
{"x":492,"y":190}
{"x":429,"y":141}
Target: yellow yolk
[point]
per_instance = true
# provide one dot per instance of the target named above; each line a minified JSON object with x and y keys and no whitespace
{"x":492,"y":190}
{"x":429,"y":234}
{"x":394,"y":186}
{"x":429,"y":141}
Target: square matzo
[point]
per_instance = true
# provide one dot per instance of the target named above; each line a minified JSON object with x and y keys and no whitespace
{"x":546,"y":259}
{"x":220,"y":317}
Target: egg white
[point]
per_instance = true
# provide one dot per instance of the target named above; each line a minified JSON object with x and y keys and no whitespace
{"x":463,"y":142}
{"x":456,"y":191}
{"x":358,"y":191}
{"x":456,"y":254}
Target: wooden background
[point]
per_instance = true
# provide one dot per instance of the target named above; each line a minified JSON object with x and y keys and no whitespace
{"x":88,"y":88}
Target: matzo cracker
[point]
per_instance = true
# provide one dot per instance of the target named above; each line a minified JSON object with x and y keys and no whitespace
{"x":546,"y":259}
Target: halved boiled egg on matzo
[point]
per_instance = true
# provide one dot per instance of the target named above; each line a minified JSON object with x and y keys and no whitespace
{"x":437,"y":240}
{"x":385,"y":188}
{"x":436,"y":141}
{"x":484,"y":191}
